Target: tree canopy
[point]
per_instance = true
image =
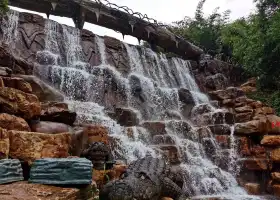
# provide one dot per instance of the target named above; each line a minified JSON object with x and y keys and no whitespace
{"x":3,"y":6}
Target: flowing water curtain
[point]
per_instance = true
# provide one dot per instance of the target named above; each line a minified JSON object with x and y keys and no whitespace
{"x":9,"y":28}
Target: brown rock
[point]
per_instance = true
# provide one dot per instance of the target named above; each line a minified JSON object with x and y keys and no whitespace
{"x":79,"y":141}
{"x":43,"y":91}
{"x":220,"y":129}
{"x":264,"y":111}
{"x":274,"y":123}
{"x":28,"y":191}
{"x":1,"y":82}
{"x":96,"y":133}
{"x":276,"y":190}
{"x":258,"y":151}
{"x":57,"y":112}
{"x":155,"y":128}
{"x":223,"y":141}
{"x":248,"y":89}
{"x":251,"y":82}
{"x":253,"y":188}
{"x":4,"y":143}
{"x":271,"y":140}
{"x":253,"y":127}
{"x":126,"y":117}
{"x":275,"y":155}
{"x":11,"y":122}
{"x":29,"y":146}
{"x":244,"y":109}
{"x":243,"y":144}
{"x":116,"y":172}
{"x":16,"y":102}
{"x":166,"y":198}
{"x":49,"y":127}
{"x":228,"y":102}
{"x":256,"y":104}
{"x":17,"y":83}
{"x":6,"y":57}
{"x":229,"y":93}
{"x":276,"y":176}
{"x":256,"y":164}
{"x":243,"y":117}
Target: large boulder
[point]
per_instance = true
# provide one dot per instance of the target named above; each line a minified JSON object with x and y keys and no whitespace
{"x":96,"y":133}
{"x":229,"y":93}
{"x":11,"y":122}
{"x":57,"y":112}
{"x":29,"y":146}
{"x":16,"y":102}
{"x":49,"y":127}
{"x":126,"y":116}
{"x":10,"y":171}
{"x":17,"y":83}
{"x":271,"y":140}
{"x":4,"y":143}
{"x":253,"y":127}
{"x":42,"y":90}
{"x":61,"y":171}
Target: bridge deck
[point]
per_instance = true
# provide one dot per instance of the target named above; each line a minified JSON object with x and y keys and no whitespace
{"x":89,"y":11}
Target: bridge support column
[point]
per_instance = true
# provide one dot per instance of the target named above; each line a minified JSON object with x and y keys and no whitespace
{"x":79,"y":17}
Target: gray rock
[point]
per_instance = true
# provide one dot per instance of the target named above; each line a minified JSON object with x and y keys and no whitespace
{"x":61,"y":171}
{"x":10,"y":171}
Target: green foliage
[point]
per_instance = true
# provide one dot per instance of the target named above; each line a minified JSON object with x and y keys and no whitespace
{"x":271,"y":98}
{"x":3,"y":6}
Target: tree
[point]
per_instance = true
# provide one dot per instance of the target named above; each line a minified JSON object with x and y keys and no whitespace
{"x":3,"y":6}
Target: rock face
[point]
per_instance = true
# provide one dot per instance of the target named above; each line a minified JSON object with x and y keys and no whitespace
{"x":16,"y":102}
{"x":49,"y":127}
{"x":10,"y":171}
{"x":27,"y":191}
{"x":17,"y":83}
{"x":57,"y":112}
{"x":4,"y":143}
{"x":11,"y":122}
{"x":29,"y":146}
{"x":64,"y":171}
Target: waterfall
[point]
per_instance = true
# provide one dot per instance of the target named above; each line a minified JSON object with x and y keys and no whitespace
{"x":9,"y":27}
{"x":150,"y":88}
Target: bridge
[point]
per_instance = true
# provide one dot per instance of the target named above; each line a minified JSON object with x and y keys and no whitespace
{"x":120,"y":19}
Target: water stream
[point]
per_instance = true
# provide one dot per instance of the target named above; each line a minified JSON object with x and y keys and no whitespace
{"x":151,"y":89}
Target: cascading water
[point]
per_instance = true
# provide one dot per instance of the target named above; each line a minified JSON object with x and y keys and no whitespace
{"x":155,"y":81}
{"x":9,"y":27}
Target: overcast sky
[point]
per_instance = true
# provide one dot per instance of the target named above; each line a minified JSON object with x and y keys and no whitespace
{"x":167,"y":11}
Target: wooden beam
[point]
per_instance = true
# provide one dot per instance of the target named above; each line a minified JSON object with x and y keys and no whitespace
{"x":89,"y":11}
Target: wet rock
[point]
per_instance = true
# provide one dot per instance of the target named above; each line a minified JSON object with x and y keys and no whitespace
{"x":253,"y":188}
{"x":244,"y":117}
{"x":228,"y":102}
{"x":170,"y":152}
{"x":201,"y":109}
{"x":29,"y":146}
{"x":61,"y":171}
{"x":243,"y":146}
{"x":275,"y":176}
{"x":223,"y":117}
{"x":163,"y":139}
{"x":216,"y":82}
{"x":96,"y":133}
{"x":271,"y":140}
{"x":275,"y":155}
{"x":57,"y":112}
{"x":155,"y":128}
{"x":210,"y":146}
{"x":243,"y":109}
{"x":185,"y":96}
{"x":229,"y":93}
{"x":276,"y":190}
{"x":17,"y":83}
{"x":49,"y":127}
{"x":220,"y":129}
{"x":11,"y":122}
{"x":126,"y":117}
{"x":4,"y":143}
{"x":223,"y":141}
{"x":4,"y":71}
{"x":202,"y":120}
{"x":98,"y":153}
{"x":252,"y":127}
{"x":16,"y":102}
{"x":10,"y":171}
{"x":255,"y":164}
{"x":258,"y":151}
{"x":79,"y":141}
{"x":27,"y":191}
{"x":42,"y":90}
{"x":170,"y":115}
{"x":7,"y":59}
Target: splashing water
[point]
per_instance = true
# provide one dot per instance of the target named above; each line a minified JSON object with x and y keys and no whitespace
{"x":151,"y":88}
{"x":9,"y":27}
